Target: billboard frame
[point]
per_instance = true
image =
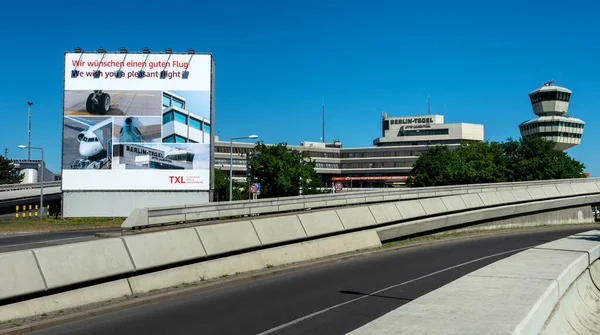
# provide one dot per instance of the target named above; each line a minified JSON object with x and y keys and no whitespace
{"x":212,"y":118}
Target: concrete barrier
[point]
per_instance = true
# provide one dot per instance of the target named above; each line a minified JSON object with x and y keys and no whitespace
{"x":495,"y":193}
{"x":20,"y":274}
{"x":162,"y":248}
{"x":80,"y":262}
{"x":577,"y":311}
{"x":233,"y":236}
{"x":515,"y":295}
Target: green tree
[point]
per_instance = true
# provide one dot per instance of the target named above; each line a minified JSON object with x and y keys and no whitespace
{"x":282,"y":171}
{"x":437,"y":166}
{"x":482,"y":162}
{"x":7,"y":175}
{"x":531,"y":158}
{"x":534,"y":158}
{"x":240,"y":190}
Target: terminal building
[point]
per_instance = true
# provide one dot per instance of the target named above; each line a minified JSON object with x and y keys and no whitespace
{"x":551,"y":103}
{"x":387,"y":164}
{"x":180,"y":125}
{"x":130,"y":156}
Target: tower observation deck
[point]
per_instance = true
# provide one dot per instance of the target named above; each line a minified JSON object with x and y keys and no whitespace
{"x":551,"y":103}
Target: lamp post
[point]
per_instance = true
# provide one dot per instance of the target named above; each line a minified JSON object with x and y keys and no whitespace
{"x":231,"y":162}
{"x":29,"y":103}
{"x":41,"y":177}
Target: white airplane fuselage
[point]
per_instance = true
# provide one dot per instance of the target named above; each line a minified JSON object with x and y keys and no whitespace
{"x":89,"y":144}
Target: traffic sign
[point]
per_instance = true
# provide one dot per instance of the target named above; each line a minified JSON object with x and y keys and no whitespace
{"x":338,"y":187}
{"x":255,"y":188}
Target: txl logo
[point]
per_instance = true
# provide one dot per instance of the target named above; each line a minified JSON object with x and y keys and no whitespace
{"x":178,"y":179}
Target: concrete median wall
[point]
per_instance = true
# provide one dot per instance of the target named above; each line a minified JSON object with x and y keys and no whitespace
{"x":494,"y":194}
{"x":515,"y":295}
{"x":225,"y":266}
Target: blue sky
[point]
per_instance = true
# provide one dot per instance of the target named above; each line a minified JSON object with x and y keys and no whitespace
{"x":275,"y":60}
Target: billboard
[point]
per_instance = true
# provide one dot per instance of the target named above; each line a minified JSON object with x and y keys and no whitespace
{"x":137,"y":121}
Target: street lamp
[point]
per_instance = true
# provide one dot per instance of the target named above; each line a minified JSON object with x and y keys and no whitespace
{"x":41,"y":177}
{"x":231,"y":161}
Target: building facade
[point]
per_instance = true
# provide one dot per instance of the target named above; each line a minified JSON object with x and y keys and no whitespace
{"x":551,"y":104}
{"x":180,"y":125}
{"x":387,"y":164}
{"x":131,"y":156}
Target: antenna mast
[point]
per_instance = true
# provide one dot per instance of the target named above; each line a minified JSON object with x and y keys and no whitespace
{"x":5,"y":152}
{"x":323,"y":122}
{"x":428,"y":106}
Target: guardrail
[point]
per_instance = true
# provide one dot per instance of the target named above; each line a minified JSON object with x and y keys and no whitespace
{"x":144,"y":262}
{"x":515,"y":295}
{"x":146,"y":217}
{"x":16,"y":187}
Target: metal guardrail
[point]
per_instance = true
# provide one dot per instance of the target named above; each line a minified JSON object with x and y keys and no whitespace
{"x":142,"y":217}
{"x":17,"y":187}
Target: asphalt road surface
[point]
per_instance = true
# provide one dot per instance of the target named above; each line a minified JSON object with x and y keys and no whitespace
{"x":31,"y":241}
{"x":141,"y":103}
{"x":324,"y":299}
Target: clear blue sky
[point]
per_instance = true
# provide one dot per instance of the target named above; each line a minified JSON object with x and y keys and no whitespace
{"x":277,"y":59}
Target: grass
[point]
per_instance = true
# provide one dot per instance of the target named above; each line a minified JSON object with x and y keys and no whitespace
{"x":61,"y":224}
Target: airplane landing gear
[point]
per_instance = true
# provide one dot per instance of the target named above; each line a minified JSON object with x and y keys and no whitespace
{"x":98,"y":103}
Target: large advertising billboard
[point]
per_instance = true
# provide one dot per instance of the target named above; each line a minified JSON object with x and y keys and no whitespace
{"x":137,"y":121}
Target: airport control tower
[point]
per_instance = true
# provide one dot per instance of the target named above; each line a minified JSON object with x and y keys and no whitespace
{"x":550,"y":103}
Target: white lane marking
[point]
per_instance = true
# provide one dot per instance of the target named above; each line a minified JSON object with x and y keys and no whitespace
{"x":46,"y":241}
{"x":383,"y":290}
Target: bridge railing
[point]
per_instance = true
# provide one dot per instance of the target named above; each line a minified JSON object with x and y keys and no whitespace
{"x":145,"y":217}
{"x":27,"y":186}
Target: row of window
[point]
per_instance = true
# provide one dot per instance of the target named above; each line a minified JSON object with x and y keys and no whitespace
{"x":549,"y":96}
{"x":224,"y":161}
{"x":327,"y":166}
{"x":556,"y":133}
{"x":377,"y":165}
{"x":177,"y":139}
{"x":423,"y":132}
{"x":182,"y":118}
{"x":396,"y":153}
{"x":168,"y":101}
{"x":552,"y":124}
{"x":445,"y":142}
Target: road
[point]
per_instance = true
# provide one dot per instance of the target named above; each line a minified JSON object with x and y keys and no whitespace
{"x":31,"y":241}
{"x":324,"y":299}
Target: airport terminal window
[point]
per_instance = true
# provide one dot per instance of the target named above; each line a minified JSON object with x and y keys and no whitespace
{"x":195,"y":124}
{"x":174,"y":139}
{"x":166,"y":101}
{"x":207,"y":128}
{"x":550,"y":96}
{"x":167,"y":117}
{"x":177,"y":103}
{"x":425,"y":132}
{"x":180,"y":117}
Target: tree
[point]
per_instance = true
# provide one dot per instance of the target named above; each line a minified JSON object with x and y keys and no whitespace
{"x":437,"y":166}
{"x":530,"y":158}
{"x":7,"y":173}
{"x":282,"y":171}
{"x":240,"y":190}
{"x":534,"y":158}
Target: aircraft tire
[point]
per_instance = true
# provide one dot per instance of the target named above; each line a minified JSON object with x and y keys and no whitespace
{"x":89,"y":104}
{"x":104,"y":104}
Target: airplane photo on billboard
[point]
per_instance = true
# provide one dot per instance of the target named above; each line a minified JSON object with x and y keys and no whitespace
{"x":87,"y":143}
{"x":132,"y":129}
{"x":112,"y":102}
